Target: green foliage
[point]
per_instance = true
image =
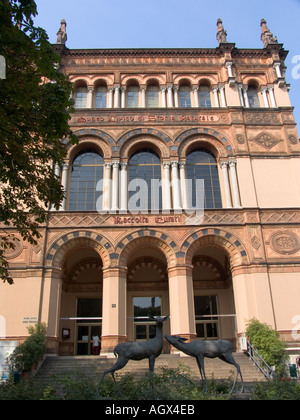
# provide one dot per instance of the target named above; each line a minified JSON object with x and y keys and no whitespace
{"x":277,"y":390}
{"x":268,"y":343}
{"x":31,"y":351}
{"x":166,"y":384}
{"x":35,"y":109}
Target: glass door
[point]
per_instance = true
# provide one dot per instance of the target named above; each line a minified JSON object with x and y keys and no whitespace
{"x":88,"y":326}
{"x":207,"y":326}
{"x":143,"y":307}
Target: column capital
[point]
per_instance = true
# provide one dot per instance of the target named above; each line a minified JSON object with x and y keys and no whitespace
{"x":182,"y":164}
{"x":232,"y":162}
{"x":108,"y":165}
{"x":166,"y":165}
{"x":174,"y":164}
{"x":115,"y":163}
{"x":124,"y":165}
{"x":224,"y":164}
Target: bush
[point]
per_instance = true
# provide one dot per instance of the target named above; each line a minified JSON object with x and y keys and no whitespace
{"x":268,"y":343}
{"x":277,"y":390}
{"x":31,"y":351}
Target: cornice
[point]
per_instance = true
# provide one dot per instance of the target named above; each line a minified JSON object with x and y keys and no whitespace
{"x":152,"y":52}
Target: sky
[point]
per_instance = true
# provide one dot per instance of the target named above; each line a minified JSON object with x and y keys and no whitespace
{"x":176,"y":24}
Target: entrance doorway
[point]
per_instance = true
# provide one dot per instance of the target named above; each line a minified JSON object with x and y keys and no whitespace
{"x":88,"y":326}
{"x":142,"y":308}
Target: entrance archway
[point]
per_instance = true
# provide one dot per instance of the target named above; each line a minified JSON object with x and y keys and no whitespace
{"x":214,"y":254}
{"x":147,"y":289}
{"x":81,"y":300}
{"x":213,"y":295}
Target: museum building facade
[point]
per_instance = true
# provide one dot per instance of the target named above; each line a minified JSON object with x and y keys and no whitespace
{"x":182,"y":198}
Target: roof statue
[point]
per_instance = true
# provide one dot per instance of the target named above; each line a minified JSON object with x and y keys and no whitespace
{"x":62,"y":34}
{"x":221,"y":34}
{"x":267,"y":36}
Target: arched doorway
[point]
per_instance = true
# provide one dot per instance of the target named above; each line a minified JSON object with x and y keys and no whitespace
{"x":81,"y":301}
{"x":215,"y":255}
{"x":213,"y":295}
{"x":147,"y":288}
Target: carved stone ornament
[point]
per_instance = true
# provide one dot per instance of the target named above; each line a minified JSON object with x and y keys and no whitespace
{"x":241,"y":139}
{"x":266,"y":140}
{"x":14,"y":253}
{"x":285,"y":242}
{"x":293,"y":139}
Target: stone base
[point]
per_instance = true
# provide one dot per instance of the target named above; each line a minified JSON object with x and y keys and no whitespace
{"x":108,"y":343}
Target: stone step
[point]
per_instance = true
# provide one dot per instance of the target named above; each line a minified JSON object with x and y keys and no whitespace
{"x":94,"y":366}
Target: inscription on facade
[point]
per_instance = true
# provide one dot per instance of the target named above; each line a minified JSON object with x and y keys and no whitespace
{"x":145,"y":220}
{"x":151,"y":118}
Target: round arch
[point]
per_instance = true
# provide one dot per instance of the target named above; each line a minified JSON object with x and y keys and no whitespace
{"x":217,"y":238}
{"x":206,"y":138}
{"x":145,"y":238}
{"x":94,"y":139}
{"x":131,"y":141}
{"x":62,"y":245}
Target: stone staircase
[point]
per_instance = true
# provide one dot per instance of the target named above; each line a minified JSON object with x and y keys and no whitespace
{"x":93,"y":367}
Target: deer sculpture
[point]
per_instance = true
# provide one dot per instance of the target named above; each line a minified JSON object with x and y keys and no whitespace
{"x":150,"y":349}
{"x":211,"y":349}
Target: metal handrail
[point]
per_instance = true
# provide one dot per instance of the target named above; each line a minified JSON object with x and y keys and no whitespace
{"x":262,"y":365}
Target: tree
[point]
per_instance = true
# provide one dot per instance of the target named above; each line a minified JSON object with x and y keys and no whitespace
{"x":35,"y":108}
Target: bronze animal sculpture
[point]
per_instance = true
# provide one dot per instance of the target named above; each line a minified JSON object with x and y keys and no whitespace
{"x":211,"y":349}
{"x":150,"y":349}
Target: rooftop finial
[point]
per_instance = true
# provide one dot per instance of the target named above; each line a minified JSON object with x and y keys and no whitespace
{"x":62,"y":34}
{"x":267,"y":36}
{"x":221,"y":34}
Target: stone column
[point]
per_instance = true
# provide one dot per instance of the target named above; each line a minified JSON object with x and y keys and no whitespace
{"x":115,"y":186}
{"x":176,"y":186}
{"x":183,"y":185}
{"x":222,"y":93}
{"x":240,"y":88}
{"x":124,"y":188}
{"x":272,"y":97}
{"x":110,"y":97}
{"x":224,"y":166}
{"x":123,"y":97}
{"x":181,"y":298}
{"x":167,"y":187}
{"x":90,"y":97}
{"x":163,"y":97}
{"x":234,"y":182}
{"x":278,"y":70}
{"x":57,"y":173}
{"x":143,"y":93}
{"x":107,"y":187}
{"x":176,"y":98}
{"x":64,"y":181}
{"x":114,"y":314}
{"x":264,"y":94}
{"x":196,"y":97}
{"x":117,"y":97}
{"x":170,"y":97}
{"x":216,"y":98}
{"x":246,"y":100}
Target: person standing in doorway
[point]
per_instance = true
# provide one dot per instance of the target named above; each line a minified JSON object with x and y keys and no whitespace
{"x":96,"y":345}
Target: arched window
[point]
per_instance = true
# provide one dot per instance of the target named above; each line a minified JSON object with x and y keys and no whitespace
{"x":144,"y":181}
{"x":101,"y":97}
{"x":87,"y":170}
{"x":153,"y":96}
{"x":253,"y":96}
{"x":133,"y":97}
{"x":202,"y":164}
{"x":185,"y":96}
{"x":81,"y":97}
{"x":204,"y":96}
